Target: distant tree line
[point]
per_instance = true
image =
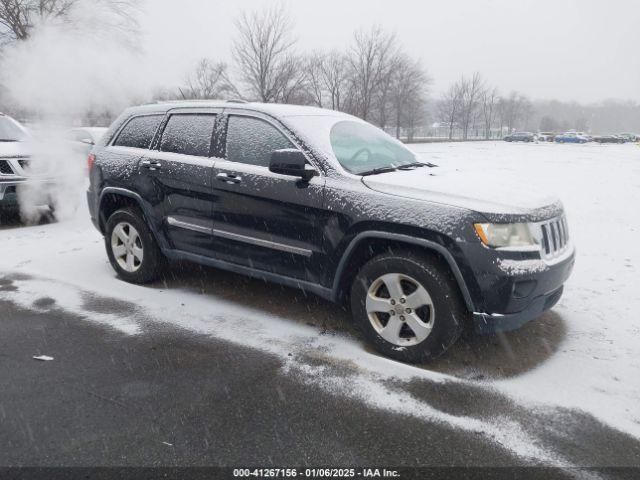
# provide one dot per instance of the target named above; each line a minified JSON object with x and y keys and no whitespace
{"x":473,"y":108}
{"x":609,"y":116}
{"x":373,"y":77}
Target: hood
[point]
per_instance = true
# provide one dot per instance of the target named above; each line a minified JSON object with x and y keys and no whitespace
{"x":14,"y":149}
{"x":482,"y":191}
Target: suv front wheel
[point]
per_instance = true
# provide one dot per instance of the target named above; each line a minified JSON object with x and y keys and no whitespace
{"x":131,"y":247}
{"x":408,"y":306}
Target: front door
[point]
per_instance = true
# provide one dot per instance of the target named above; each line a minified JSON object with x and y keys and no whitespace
{"x":264,"y":220}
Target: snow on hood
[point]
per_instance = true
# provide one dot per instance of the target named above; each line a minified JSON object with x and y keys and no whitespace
{"x":480,"y":192}
{"x":14,"y":149}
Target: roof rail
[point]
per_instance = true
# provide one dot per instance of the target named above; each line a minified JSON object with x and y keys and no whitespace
{"x":195,"y":100}
{"x":236,"y":100}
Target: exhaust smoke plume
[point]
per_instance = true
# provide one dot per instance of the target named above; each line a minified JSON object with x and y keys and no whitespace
{"x":64,"y":70}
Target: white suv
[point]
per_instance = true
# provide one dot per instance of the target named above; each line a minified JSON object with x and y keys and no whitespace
{"x":15,"y":157}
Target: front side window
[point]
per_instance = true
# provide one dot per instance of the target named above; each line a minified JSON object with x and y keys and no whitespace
{"x":188,"y":134}
{"x":139,"y":132}
{"x":360,"y":147}
{"x":251,"y":140}
{"x":11,"y":131}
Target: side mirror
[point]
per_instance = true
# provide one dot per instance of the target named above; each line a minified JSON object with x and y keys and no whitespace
{"x":291,"y":162}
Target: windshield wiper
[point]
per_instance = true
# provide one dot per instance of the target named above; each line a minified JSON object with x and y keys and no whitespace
{"x":417,"y":165}
{"x":378,"y":170}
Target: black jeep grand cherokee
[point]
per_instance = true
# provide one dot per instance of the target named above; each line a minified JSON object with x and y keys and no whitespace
{"x":325,"y":202}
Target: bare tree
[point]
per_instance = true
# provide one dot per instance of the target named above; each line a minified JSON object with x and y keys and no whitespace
{"x":116,"y":18}
{"x":408,"y":93}
{"x":515,"y":111}
{"x":526,"y":108}
{"x":334,"y":78}
{"x":208,"y":80}
{"x":488,"y":99}
{"x":370,"y":60}
{"x":314,"y":78}
{"x":471,"y":90}
{"x":263,"y":52}
{"x":450,"y":105}
{"x":18,"y":18}
{"x":548,"y":124}
{"x":290,"y":81}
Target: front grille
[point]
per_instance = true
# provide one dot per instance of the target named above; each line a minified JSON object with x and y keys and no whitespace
{"x":24,"y":163}
{"x":5,"y":168}
{"x":555,"y":237}
{"x":10,"y":190}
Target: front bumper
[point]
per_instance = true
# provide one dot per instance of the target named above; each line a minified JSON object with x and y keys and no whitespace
{"x":512,"y":292}
{"x":489,"y":323}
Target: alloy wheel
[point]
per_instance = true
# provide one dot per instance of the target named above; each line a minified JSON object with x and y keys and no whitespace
{"x":400,"y":309}
{"x":126,"y":246}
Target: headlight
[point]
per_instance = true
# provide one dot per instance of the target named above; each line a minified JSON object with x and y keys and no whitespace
{"x":505,"y":234}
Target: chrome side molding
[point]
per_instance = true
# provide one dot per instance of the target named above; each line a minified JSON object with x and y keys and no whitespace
{"x":282,"y":247}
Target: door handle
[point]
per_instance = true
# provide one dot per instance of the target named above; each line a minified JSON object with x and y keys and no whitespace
{"x":228,"y":178}
{"x":151,"y":165}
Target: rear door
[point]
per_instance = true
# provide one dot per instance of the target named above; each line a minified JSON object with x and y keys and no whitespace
{"x":181,"y":164}
{"x":264,"y":220}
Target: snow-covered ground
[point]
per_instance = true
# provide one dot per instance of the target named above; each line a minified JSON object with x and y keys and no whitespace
{"x":587,"y":353}
{"x":597,"y":366}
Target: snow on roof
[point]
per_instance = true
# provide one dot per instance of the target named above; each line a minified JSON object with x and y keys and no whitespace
{"x":277,"y":110}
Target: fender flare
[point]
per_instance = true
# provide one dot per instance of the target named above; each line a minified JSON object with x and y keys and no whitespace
{"x":428,"y":244}
{"x":145,"y":210}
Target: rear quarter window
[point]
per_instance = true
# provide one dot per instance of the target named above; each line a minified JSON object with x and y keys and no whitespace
{"x":139,"y":132}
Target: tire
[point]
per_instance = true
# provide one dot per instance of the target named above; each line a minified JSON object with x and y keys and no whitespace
{"x":138,"y":262}
{"x":440,"y":316}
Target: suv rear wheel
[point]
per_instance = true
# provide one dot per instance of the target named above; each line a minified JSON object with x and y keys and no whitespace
{"x":131,"y":247}
{"x":407,"y":306}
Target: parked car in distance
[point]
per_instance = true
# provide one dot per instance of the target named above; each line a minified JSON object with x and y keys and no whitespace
{"x":585,"y":135}
{"x":82,"y":139}
{"x":608,"y":139}
{"x":546,"y":136}
{"x":627,"y":137}
{"x":570,"y":137}
{"x":520,"y":137}
{"x":15,"y":171}
{"x":322,"y":201}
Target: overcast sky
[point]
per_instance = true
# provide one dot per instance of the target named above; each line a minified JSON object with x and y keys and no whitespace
{"x":586,"y":50}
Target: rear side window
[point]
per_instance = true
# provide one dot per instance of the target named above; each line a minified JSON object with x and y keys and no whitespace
{"x":139,"y":132}
{"x":252,"y":141}
{"x":188,"y":134}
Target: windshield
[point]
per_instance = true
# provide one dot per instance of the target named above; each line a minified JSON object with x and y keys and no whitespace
{"x":360,"y":148}
{"x":11,"y":131}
